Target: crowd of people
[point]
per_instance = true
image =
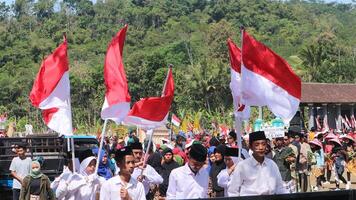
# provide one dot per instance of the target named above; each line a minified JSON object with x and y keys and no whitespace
{"x":191,"y":166}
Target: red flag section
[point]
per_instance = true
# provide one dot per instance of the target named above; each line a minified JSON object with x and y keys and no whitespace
{"x":268,"y":80}
{"x":117,"y":97}
{"x":51,"y":91}
{"x":152,"y":112}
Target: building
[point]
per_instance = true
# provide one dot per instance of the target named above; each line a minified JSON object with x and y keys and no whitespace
{"x":330,"y":100}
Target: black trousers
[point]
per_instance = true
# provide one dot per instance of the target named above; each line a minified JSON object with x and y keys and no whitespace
{"x":15,"y":194}
{"x":303,"y":182}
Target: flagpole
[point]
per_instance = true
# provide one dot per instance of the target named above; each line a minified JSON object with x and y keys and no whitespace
{"x":101,"y":146}
{"x":238,"y":120}
{"x":73,"y":153}
{"x":148,"y":148}
{"x":70,"y":139}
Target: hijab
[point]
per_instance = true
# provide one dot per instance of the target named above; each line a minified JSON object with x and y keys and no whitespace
{"x":103,"y":169}
{"x":37,"y":172}
{"x":84,"y":164}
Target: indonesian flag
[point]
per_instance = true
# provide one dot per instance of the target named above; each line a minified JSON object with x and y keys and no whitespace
{"x":117,"y":98}
{"x":175,"y":120}
{"x":346,"y":126}
{"x":51,"y":91}
{"x":348,"y":121}
{"x":268,"y":80}
{"x":318,"y":126}
{"x":325,"y":124}
{"x":353,"y":121}
{"x":152,"y":112}
{"x":240,"y":110}
{"x":3,"y":118}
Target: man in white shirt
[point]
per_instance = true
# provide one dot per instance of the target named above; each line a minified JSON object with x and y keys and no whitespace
{"x":123,"y":186}
{"x":191,"y":180}
{"x":20,"y":167}
{"x":256,"y":175}
{"x":143,"y":172}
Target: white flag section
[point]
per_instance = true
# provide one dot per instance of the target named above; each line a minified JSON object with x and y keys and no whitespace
{"x":117,"y":98}
{"x":240,"y":110}
{"x":268,"y":80}
{"x":51,"y":91}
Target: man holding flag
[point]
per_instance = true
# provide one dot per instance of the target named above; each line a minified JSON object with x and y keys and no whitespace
{"x":266,"y":79}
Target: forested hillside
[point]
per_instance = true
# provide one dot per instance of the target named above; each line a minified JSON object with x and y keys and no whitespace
{"x":318,"y":40}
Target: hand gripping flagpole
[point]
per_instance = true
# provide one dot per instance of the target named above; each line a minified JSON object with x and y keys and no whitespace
{"x":100,"y":146}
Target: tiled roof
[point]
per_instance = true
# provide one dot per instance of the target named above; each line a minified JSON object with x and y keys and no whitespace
{"x":328,"y":93}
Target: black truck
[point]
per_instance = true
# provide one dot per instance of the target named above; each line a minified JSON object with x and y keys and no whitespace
{"x":50,"y":147}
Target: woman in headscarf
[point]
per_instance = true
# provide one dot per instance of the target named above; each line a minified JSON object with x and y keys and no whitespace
{"x":319,"y":162}
{"x":104,"y":169}
{"x":216,"y":168}
{"x":36,"y":186}
{"x":86,"y":185}
{"x":231,"y":159}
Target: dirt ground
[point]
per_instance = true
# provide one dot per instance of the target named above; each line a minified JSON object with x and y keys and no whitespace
{"x":332,"y":186}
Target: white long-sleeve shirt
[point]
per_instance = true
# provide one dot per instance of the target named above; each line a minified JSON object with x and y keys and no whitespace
{"x":60,"y":184}
{"x":224,"y":180}
{"x":110,"y":190}
{"x":151,"y":177}
{"x":79,"y":187}
{"x":253,"y":178}
{"x":184,"y":184}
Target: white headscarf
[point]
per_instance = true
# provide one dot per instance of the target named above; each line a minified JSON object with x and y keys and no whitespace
{"x":84,"y":164}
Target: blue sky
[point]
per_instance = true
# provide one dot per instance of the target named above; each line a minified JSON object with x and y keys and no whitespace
{"x":339,"y":1}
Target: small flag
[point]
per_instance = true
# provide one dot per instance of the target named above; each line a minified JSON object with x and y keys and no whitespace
{"x":175,"y":120}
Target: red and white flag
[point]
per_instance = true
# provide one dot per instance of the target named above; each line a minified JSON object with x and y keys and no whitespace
{"x":348,"y":121}
{"x":3,"y":118}
{"x":117,"y":98}
{"x":343,"y":121}
{"x":325,"y":124}
{"x":268,"y":80}
{"x":152,"y":112}
{"x":51,"y":91}
{"x":175,"y":120}
{"x":240,"y":110}
{"x":353,"y":121}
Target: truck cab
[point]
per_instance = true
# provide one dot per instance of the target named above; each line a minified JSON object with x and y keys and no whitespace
{"x":49,"y":146}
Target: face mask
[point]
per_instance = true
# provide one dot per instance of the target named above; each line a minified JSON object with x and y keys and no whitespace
{"x":36,"y":171}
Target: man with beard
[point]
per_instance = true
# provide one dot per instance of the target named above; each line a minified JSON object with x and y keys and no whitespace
{"x":167,"y":165}
{"x":123,"y":186}
{"x":191,"y":180}
{"x":256,"y":175}
{"x":143,"y":172}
